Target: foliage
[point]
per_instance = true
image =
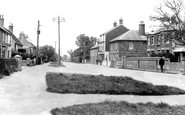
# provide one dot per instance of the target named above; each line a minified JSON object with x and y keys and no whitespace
{"x":71,"y":53}
{"x":84,"y":44}
{"x":170,"y":56}
{"x":48,"y":52}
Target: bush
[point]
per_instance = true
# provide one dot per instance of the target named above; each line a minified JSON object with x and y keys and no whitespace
{"x":99,"y":84}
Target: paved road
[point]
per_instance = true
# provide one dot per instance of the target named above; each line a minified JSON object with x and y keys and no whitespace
{"x":23,"y":93}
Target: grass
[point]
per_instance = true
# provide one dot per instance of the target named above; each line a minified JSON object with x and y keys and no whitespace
{"x":100,"y":84}
{"x":56,"y":64}
{"x":120,"y":108}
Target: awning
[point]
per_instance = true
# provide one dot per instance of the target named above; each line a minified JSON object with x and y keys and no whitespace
{"x":179,"y":49}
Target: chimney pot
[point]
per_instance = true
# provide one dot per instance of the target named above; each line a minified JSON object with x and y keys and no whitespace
{"x":11,"y":27}
{"x":121,"y":21}
{"x":115,"y":24}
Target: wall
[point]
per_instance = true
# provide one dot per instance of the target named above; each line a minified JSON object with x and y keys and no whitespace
{"x":93,"y":55}
{"x":113,"y":34}
{"x":139,"y":49}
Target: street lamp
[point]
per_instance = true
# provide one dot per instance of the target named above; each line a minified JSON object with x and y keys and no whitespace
{"x":59,"y":20}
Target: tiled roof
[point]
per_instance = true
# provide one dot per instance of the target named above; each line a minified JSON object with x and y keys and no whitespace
{"x":94,"y":47}
{"x":13,"y":36}
{"x":130,"y":35}
{"x":113,"y":29}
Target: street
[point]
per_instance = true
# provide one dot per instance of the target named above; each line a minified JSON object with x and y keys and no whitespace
{"x":24,"y":93}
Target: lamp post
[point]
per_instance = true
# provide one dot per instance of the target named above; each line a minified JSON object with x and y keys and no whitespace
{"x":59,"y":20}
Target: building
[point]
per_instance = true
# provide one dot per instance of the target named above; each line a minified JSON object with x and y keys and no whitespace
{"x":8,"y":41}
{"x":93,"y":54}
{"x":133,"y":43}
{"x":27,"y":45}
{"x":165,"y":42}
{"x":105,"y":38}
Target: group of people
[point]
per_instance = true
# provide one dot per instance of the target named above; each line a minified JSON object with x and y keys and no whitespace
{"x":98,"y":61}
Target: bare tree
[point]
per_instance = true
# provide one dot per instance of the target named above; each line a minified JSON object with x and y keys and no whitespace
{"x":170,"y":14}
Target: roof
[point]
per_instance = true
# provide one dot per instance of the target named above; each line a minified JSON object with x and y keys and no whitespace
{"x":94,"y":47}
{"x":130,"y":35}
{"x":179,"y":49}
{"x":113,"y":29}
{"x":13,"y":36}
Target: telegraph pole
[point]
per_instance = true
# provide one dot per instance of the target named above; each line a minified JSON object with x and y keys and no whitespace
{"x":59,"y":20}
{"x":38,"y":32}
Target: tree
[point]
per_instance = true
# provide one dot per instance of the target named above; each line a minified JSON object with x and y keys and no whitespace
{"x":48,"y":52}
{"x":71,"y":53}
{"x":170,"y":17}
{"x":170,"y":14}
{"x":84,"y":43}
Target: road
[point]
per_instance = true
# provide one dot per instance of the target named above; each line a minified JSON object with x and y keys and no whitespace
{"x":24,"y":93}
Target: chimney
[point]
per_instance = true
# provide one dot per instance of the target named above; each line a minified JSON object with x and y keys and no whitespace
{"x":11,"y":27}
{"x":120,"y":21}
{"x":142,"y":28}
{"x":2,"y":20}
{"x":21,"y":35}
{"x":115,"y":24}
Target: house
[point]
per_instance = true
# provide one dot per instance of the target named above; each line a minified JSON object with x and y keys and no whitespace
{"x":27,"y":45}
{"x":162,"y":42}
{"x":132,"y":43}
{"x":93,"y":54}
{"x":8,"y":41}
{"x":105,"y":38}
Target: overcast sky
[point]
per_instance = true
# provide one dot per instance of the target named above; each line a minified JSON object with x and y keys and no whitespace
{"x":90,"y":17}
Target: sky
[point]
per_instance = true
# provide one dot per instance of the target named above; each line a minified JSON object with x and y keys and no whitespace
{"x":89,"y":17}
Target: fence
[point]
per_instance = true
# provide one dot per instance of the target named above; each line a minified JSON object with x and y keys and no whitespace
{"x":148,"y":63}
{"x":8,"y":65}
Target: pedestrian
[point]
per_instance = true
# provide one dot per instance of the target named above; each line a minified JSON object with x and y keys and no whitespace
{"x":161,"y":63}
{"x":97,"y":61}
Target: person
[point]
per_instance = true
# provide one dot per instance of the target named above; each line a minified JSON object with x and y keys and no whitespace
{"x":97,"y":61}
{"x":161,"y":63}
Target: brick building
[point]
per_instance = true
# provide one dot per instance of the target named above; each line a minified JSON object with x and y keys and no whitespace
{"x":162,"y":42}
{"x":105,"y":38}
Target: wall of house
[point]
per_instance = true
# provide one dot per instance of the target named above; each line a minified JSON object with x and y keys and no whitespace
{"x":139,"y":49}
{"x":93,"y":55}
{"x":113,"y":34}
{"x":158,"y":43}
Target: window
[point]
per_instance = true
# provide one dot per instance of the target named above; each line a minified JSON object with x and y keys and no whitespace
{"x":116,"y":46}
{"x":148,"y":39}
{"x":162,"y":39}
{"x":152,"y":40}
{"x":131,"y":45}
{"x":158,"y":39}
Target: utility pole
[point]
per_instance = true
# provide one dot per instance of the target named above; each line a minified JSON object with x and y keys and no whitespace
{"x":38,"y":32}
{"x":59,"y":20}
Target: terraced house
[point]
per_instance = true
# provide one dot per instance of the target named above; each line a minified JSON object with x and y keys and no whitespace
{"x":8,"y":41}
{"x":105,"y":38}
{"x":166,"y":42}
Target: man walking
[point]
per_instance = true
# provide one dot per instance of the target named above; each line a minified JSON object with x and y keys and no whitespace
{"x":161,"y":63}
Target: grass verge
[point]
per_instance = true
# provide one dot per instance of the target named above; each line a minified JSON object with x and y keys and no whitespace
{"x":120,"y":108}
{"x":56,"y":64}
{"x":100,"y":84}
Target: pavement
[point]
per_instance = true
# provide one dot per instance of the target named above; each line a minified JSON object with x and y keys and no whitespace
{"x":24,"y":93}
